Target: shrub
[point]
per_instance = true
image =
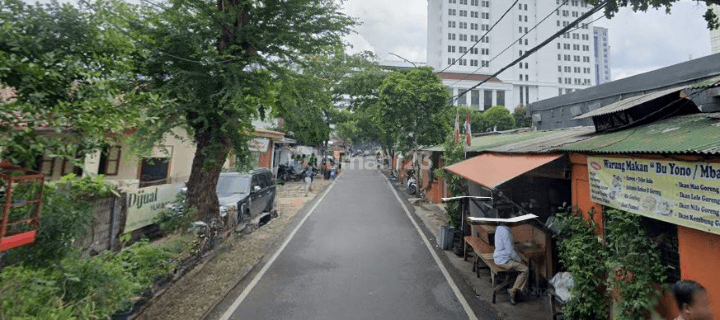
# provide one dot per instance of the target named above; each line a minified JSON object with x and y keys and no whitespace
{"x":176,"y":217}
{"x":28,"y":293}
{"x":144,"y":263}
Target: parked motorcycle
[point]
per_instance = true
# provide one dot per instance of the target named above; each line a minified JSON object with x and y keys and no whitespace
{"x":411,"y":185}
{"x":291,"y":173}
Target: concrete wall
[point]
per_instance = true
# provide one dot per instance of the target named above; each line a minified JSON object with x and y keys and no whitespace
{"x":106,"y":226}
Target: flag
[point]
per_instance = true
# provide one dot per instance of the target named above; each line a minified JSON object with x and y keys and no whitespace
{"x":468,"y":132}
{"x":457,"y":126}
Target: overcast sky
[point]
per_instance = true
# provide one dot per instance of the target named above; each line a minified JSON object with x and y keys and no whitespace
{"x":639,"y":42}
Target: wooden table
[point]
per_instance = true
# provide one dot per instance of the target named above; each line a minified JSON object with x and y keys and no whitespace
{"x":529,"y":253}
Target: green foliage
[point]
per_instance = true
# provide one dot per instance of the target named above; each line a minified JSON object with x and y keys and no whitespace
{"x":145,"y":262}
{"x":27,"y":293}
{"x":500,"y":117}
{"x":410,"y":109}
{"x":453,"y":153}
{"x":614,"y":6}
{"x":583,"y":254}
{"x":635,"y":268}
{"x":175,"y":218}
{"x":68,"y":71}
{"x":627,"y":263}
{"x":218,"y":69}
{"x":85,"y":287}
{"x":65,"y":215}
{"x":522,"y":120}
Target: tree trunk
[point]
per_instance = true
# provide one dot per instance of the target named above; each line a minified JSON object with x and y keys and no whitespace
{"x":206,"y":167}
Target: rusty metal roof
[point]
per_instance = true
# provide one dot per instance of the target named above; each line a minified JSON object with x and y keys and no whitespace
{"x":690,"y":134}
{"x":628,"y":103}
{"x":547,"y":143}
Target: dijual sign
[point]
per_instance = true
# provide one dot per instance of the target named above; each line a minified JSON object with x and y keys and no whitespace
{"x":144,"y":204}
{"x":678,"y":192}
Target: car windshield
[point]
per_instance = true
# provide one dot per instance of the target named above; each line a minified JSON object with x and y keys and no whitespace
{"x":228,"y":185}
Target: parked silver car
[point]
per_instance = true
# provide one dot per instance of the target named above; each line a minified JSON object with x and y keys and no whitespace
{"x":246,"y":194}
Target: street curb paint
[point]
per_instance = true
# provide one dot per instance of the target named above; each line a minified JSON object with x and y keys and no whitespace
{"x":453,"y":286}
{"x":229,"y":312}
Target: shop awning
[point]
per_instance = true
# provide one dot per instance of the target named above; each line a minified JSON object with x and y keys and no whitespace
{"x":492,"y":170}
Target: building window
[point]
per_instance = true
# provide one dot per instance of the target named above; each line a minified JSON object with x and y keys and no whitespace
{"x":452,"y":12}
{"x":110,"y":161}
{"x":463,"y":13}
{"x":519,"y":29}
{"x":154,"y":171}
{"x":487,"y":103}
{"x":474,"y":2}
{"x":475,"y":98}
{"x":520,"y":18}
{"x":525,"y":7}
{"x":462,"y":99}
{"x":526,"y":41}
{"x":560,"y":91}
{"x":526,"y":77}
{"x":486,"y":15}
{"x":500,"y":97}
{"x":525,"y":18}
{"x":463,"y":1}
{"x":560,"y":80}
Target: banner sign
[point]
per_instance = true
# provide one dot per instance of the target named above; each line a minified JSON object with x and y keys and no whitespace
{"x":678,"y":192}
{"x":144,"y":204}
{"x":259,"y":144}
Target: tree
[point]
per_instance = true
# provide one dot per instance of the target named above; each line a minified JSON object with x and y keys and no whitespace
{"x":613,"y":7}
{"x":222,"y":65}
{"x":521,"y":118}
{"x":69,"y":74}
{"x":499,"y":117}
{"x":410,"y":110}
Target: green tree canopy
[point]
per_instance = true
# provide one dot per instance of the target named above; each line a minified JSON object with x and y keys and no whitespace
{"x":68,"y":74}
{"x":410,"y":109}
{"x":223,"y":63}
{"x":521,"y":118}
{"x":613,"y":7}
{"x":498,"y":117}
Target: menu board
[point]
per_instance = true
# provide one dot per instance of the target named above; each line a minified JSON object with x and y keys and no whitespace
{"x":678,"y":192}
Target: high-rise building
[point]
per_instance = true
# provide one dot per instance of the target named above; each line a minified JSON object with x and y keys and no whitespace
{"x":715,"y":34}
{"x":564,"y":65}
{"x":602,"y":61}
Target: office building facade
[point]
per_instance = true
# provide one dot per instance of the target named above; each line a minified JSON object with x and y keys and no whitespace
{"x":602,"y":61}
{"x":564,"y":65}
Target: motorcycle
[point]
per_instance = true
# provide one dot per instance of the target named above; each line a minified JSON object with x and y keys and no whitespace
{"x":411,"y":185}
{"x":291,"y":173}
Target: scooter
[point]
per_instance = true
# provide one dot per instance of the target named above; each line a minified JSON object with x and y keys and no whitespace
{"x":411,"y":185}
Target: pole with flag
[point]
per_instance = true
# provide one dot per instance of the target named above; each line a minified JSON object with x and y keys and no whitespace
{"x":468,"y":131}
{"x":456,"y":129}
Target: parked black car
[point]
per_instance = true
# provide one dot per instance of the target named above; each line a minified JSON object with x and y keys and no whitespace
{"x":246,"y":194}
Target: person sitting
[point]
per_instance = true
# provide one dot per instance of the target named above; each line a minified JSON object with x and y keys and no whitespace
{"x":506,"y":257}
{"x":692,"y":301}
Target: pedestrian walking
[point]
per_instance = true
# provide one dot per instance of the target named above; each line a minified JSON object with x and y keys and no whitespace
{"x":692,"y":301}
{"x":309,"y":173}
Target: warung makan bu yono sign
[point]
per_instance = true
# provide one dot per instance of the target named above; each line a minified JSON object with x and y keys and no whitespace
{"x":678,"y":192}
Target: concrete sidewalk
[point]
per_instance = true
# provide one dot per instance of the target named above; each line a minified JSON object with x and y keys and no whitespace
{"x":531,"y":308}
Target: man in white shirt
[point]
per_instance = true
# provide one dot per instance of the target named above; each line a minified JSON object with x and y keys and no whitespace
{"x":506,"y":257}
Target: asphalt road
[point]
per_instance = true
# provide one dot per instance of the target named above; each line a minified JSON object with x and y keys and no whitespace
{"x":357,"y":256}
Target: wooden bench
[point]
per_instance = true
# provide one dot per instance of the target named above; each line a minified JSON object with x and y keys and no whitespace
{"x":483,"y":251}
{"x":479,"y":247}
{"x":495,"y":272}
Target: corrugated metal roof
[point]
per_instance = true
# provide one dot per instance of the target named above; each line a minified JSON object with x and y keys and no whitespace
{"x":690,"y":134}
{"x":489,"y":141}
{"x":548,"y":143}
{"x":628,"y":103}
{"x":708,"y":83}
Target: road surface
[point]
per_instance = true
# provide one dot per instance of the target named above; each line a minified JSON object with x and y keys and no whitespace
{"x":357,"y":256}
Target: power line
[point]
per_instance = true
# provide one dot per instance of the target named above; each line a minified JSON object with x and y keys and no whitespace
{"x":483,"y":37}
{"x":511,"y":45}
{"x":538,"y":47}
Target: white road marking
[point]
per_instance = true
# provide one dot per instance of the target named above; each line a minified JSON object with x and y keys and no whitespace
{"x":445,"y":273}
{"x":265,"y":268}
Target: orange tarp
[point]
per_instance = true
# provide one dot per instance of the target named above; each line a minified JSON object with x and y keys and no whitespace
{"x":492,"y":170}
